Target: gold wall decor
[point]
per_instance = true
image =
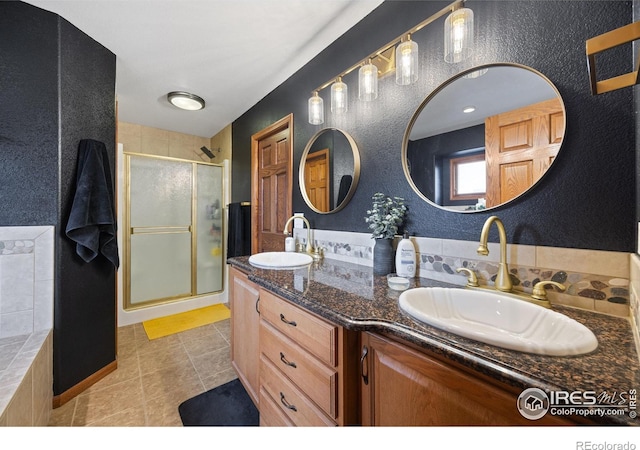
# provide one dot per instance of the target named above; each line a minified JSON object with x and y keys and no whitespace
{"x":607,"y":41}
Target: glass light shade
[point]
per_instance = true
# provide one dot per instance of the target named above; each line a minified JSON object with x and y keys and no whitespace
{"x":406,"y":62}
{"x":184,"y":100}
{"x":368,"y":82}
{"x":476,"y":73}
{"x":316,"y":109}
{"x":339,"y":97}
{"x":458,"y":35}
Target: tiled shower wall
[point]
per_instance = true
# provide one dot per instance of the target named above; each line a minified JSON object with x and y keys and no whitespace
{"x":595,"y":280}
{"x":26,"y":322}
{"x":26,"y":280}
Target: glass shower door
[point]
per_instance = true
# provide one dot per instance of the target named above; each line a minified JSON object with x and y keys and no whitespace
{"x":174,"y":230}
{"x":209,"y":252}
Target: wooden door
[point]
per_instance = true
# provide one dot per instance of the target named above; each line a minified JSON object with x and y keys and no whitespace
{"x":520,"y":146}
{"x":271,"y":167}
{"x":316,"y":179}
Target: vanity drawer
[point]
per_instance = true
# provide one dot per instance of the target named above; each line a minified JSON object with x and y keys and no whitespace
{"x":309,"y":331}
{"x":289,"y":399}
{"x":314,"y":378}
{"x":271,"y":415}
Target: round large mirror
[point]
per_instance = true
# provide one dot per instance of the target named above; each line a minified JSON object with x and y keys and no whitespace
{"x":329,"y":170}
{"x":484,"y":137}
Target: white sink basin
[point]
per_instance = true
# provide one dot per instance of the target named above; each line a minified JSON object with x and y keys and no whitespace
{"x":499,"y":320}
{"x":280,"y":260}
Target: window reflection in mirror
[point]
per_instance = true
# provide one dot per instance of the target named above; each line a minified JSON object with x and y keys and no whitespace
{"x":329,"y":170}
{"x":509,"y":115}
{"x":468,"y":177}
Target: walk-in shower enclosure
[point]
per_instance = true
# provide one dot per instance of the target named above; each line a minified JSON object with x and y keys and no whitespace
{"x":173,"y":230}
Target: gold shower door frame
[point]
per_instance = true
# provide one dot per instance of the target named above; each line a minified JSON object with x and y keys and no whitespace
{"x":128,"y":231}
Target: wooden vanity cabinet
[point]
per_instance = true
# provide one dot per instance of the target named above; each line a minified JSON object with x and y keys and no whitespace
{"x":302,"y":370}
{"x":305,"y":377}
{"x":245,"y":326}
{"x":402,"y":386}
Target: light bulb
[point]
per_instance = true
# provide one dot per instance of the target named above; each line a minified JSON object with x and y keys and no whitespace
{"x":339,"y":97}
{"x":458,"y":35}
{"x":407,"y":62}
{"x":316,"y":109}
{"x":368,"y":82}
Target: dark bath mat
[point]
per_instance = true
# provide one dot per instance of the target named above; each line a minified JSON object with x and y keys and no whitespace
{"x":228,"y":405}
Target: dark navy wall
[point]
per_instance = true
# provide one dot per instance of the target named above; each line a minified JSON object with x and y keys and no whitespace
{"x":58,"y":87}
{"x":587,"y":199}
{"x":28,"y":115}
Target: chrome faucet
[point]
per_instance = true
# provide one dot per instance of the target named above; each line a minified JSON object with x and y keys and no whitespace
{"x":309,"y":248}
{"x":503,"y":279}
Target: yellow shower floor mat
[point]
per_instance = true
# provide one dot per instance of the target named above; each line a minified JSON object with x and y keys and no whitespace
{"x":165,"y":326}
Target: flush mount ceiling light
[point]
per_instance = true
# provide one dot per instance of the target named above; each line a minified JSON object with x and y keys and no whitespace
{"x":185,"y":100}
{"x":468,"y":109}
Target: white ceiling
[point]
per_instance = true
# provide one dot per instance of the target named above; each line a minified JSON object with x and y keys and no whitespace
{"x":502,"y":88}
{"x":229,"y":52}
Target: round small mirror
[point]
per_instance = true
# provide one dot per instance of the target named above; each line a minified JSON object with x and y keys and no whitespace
{"x":484,"y":137}
{"x":329,"y":170}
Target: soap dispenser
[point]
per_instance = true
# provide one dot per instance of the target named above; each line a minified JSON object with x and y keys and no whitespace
{"x":289,"y":244}
{"x":406,"y":257}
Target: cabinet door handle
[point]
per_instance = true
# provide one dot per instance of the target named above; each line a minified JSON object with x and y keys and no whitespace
{"x":365,"y":376}
{"x":287,"y":362}
{"x":288,"y":322}
{"x":257,"y":308}
{"x":287,"y":404}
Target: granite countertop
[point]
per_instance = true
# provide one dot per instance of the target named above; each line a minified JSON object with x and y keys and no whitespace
{"x":353,"y":297}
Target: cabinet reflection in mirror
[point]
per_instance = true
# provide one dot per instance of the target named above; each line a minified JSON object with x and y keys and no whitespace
{"x":329,"y":170}
{"x":484,"y":137}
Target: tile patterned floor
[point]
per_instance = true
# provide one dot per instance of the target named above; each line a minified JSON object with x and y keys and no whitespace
{"x":153,"y":378}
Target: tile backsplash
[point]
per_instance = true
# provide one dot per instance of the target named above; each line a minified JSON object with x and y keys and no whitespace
{"x":595,"y":280}
{"x":26,"y":280}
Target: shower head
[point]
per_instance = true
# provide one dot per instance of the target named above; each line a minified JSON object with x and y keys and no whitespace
{"x":207,"y":152}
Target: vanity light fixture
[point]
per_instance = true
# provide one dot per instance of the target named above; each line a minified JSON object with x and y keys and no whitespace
{"x":403,"y":59}
{"x":316,"y":109}
{"x":368,"y":82}
{"x":339,"y":97}
{"x":458,"y":35}
{"x":407,"y":62}
{"x":185,"y":100}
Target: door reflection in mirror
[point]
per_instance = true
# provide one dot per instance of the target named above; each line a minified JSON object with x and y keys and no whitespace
{"x":329,"y":170}
{"x":516,"y":125}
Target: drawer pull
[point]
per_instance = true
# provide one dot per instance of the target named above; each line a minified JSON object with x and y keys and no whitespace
{"x":365,"y":376}
{"x":288,"y":363}
{"x":287,"y":404}
{"x":292,"y":323}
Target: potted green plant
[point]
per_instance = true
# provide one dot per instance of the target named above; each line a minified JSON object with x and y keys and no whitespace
{"x":386,"y":215}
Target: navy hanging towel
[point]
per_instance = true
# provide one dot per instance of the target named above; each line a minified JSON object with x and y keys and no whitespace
{"x":92,"y":222}
{"x":239,"y":234}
